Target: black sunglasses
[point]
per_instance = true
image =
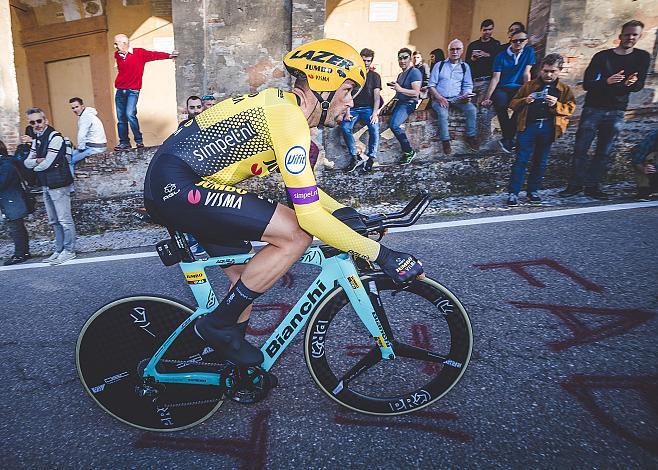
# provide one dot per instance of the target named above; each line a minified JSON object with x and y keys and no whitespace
{"x":403,"y":56}
{"x":38,"y":121}
{"x":517,"y":41}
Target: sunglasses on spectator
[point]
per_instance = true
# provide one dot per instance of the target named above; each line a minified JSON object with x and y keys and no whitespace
{"x":403,"y":56}
{"x":518,"y":41}
{"x":199,"y":106}
{"x":455,"y":48}
{"x":38,"y":121}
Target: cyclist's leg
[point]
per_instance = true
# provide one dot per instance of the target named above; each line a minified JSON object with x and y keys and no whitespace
{"x":226,"y":215}
{"x":232,"y":272}
{"x":286,"y":244}
{"x":225,"y":327}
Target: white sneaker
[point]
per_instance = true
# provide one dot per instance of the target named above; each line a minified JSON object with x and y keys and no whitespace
{"x":52,"y":257}
{"x":63,"y":257}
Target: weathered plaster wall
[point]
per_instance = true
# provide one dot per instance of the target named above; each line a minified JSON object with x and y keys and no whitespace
{"x":230,"y":47}
{"x":8,"y":86}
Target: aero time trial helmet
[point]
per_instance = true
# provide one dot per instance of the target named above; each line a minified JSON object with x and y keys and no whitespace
{"x":326,"y":64}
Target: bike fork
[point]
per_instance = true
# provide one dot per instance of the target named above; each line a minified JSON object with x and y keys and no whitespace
{"x":368,"y":306}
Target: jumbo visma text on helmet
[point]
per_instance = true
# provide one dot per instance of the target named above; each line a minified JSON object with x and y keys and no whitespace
{"x":325,"y":57}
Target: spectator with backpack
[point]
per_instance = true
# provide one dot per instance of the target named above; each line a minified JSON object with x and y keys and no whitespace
{"x":451,"y":85}
{"x":50,"y":157}
{"x":13,"y":207}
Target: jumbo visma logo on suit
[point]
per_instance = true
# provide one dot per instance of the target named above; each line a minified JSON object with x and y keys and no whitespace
{"x":215,"y":199}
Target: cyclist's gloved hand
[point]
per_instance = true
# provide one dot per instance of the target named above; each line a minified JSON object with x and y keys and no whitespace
{"x":401,"y":267}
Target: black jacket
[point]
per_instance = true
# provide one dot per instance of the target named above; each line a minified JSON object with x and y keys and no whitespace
{"x":12,"y":203}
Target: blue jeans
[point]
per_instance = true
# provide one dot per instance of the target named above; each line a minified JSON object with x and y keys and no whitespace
{"x":400,"y":115}
{"x":534,"y":145}
{"x":361,"y":114}
{"x":58,"y":207}
{"x":469,"y":110}
{"x":126,"y":103}
{"x":82,"y":154}
{"x":501,"y":98}
{"x":606,"y":124}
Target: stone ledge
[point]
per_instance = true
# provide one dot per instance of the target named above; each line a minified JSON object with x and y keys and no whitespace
{"x":109,"y":186}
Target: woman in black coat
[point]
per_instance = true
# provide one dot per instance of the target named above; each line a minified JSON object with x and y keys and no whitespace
{"x":13,"y":207}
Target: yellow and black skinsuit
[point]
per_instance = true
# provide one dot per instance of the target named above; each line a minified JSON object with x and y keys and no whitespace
{"x":190,"y":183}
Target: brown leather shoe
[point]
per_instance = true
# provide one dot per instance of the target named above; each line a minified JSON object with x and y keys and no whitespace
{"x":472,"y":143}
{"x":447,"y":148}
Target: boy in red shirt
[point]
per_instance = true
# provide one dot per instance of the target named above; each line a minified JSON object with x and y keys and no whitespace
{"x":130,"y":63}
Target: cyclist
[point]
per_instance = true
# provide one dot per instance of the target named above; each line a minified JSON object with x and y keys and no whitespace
{"x":189,"y":185}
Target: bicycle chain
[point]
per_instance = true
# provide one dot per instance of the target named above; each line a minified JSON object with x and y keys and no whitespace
{"x":190,"y":363}
{"x":198,"y":402}
{"x":192,"y":403}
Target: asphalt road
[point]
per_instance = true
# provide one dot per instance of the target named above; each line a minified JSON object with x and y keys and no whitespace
{"x":563,"y":373}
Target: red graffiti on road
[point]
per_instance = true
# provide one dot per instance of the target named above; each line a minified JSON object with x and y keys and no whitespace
{"x":425,"y":421}
{"x":251,"y":452}
{"x":519,"y":267}
{"x":268,"y":317}
{"x":623,"y":321}
{"x":585,"y":387}
{"x":288,"y":280}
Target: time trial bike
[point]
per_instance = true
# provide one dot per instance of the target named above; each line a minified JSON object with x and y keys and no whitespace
{"x":370,"y":345}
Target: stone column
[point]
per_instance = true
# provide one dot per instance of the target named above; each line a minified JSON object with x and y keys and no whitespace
{"x":460,"y":22}
{"x":189,"y":35}
{"x":9,"y":111}
{"x":307,"y":23}
{"x":538,"y":24}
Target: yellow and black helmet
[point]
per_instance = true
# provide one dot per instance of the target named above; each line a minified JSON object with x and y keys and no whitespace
{"x":326,"y":64}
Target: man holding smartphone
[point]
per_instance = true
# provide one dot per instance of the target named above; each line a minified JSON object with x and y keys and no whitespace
{"x":610,"y":78}
{"x":543,"y":107}
{"x":480,"y":56}
{"x":451,"y":85}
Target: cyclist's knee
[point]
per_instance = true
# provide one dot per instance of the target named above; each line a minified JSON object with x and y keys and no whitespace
{"x":284,"y":231}
{"x":297,"y":240}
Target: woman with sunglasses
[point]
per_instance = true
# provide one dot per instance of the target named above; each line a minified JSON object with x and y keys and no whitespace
{"x":407,"y":90}
{"x":511,"y":70}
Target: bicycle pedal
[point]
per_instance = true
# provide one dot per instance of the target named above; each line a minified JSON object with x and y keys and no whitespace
{"x":254,"y":386}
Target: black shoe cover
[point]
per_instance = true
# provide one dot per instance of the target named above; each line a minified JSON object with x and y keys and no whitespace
{"x":229,"y":342}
